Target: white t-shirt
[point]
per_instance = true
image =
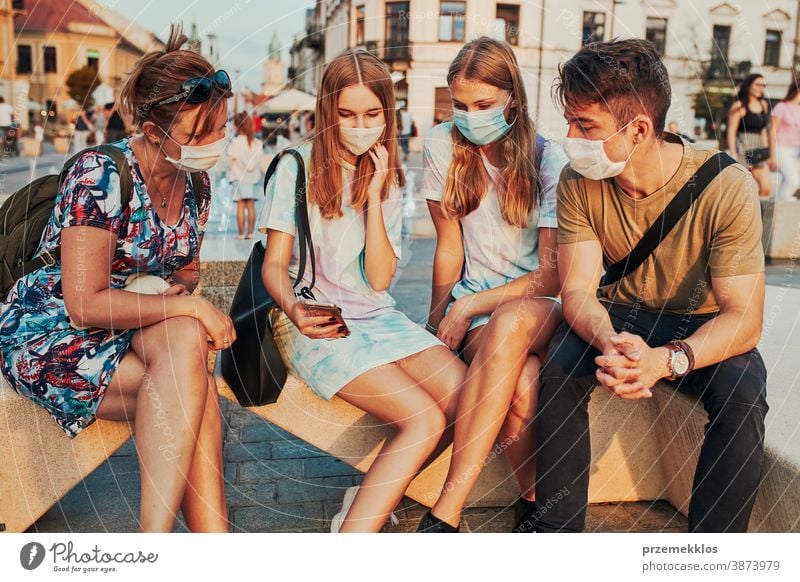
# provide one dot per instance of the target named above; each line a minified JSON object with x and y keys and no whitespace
{"x":339,"y":243}
{"x":244,"y":160}
{"x":495,"y":252}
{"x":6,"y":111}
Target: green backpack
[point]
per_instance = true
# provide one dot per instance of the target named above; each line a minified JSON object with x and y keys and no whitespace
{"x":24,"y":216}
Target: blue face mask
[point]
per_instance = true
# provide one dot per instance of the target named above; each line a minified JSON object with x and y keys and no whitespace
{"x":482,"y":127}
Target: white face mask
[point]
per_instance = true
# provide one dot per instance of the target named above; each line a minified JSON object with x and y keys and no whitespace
{"x":198,"y":158}
{"x":359,"y":139}
{"x":588,"y":157}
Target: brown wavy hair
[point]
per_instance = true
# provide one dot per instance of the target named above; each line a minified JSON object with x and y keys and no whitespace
{"x":244,"y":126}
{"x":490,"y":61}
{"x":159,"y":75}
{"x":352,"y":67}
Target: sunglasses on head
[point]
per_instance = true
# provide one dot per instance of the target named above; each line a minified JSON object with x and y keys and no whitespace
{"x":196,"y":90}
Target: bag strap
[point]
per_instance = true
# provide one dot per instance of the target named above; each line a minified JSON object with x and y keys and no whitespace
{"x":300,"y":217}
{"x":664,"y":224}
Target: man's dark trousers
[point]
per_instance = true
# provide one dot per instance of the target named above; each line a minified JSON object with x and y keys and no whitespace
{"x":733,"y":394}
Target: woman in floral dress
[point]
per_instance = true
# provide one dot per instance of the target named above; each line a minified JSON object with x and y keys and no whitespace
{"x":75,"y":342}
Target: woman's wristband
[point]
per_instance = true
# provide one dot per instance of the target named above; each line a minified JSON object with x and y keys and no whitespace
{"x":431,"y":329}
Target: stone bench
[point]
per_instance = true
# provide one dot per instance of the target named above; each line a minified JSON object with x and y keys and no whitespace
{"x":781,"y":236}
{"x":39,"y":463}
{"x":641,"y":451}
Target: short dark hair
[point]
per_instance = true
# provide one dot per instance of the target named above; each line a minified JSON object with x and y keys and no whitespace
{"x":627,"y":77}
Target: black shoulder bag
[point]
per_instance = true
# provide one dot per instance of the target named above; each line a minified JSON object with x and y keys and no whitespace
{"x":664,"y":224}
{"x":252,"y":366}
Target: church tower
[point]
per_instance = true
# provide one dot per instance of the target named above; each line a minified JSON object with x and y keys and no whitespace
{"x":274,"y":69}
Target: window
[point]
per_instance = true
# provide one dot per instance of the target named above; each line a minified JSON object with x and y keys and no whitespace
{"x":772,"y":48}
{"x":24,"y":60}
{"x":360,"y":17}
{"x":451,"y":21}
{"x":92,"y":58}
{"x":507,"y":23}
{"x":657,"y":33}
{"x":50,"y":65}
{"x":396,"y":31}
{"x":594,"y":27}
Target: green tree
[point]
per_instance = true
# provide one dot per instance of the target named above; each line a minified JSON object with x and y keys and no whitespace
{"x":81,"y":83}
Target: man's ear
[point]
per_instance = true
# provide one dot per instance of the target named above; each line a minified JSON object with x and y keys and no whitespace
{"x":644,"y":129}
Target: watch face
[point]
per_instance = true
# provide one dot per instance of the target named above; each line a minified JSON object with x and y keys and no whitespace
{"x":680,"y":363}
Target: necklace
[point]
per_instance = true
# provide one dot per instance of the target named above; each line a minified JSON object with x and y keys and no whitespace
{"x":150,"y":168}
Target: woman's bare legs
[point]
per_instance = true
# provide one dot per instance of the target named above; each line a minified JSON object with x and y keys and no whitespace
{"x":251,"y":217}
{"x":395,"y":398}
{"x":240,"y":206}
{"x":204,"y":506}
{"x":517,"y":330}
{"x":762,"y":176}
{"x":162,"y":383}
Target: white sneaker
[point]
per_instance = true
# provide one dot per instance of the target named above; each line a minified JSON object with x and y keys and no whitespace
{"x":347,"y":502}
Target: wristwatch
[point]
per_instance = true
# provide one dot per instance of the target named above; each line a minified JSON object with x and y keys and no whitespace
{"x":680,"y":361}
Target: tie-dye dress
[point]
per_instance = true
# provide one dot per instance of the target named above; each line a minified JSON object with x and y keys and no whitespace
{"x":495,"y":252}
{"x":379,"y":333}
{"x":43,"y":357}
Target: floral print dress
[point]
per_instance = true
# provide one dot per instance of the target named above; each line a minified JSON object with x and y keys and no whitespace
{"x":43,"y":357}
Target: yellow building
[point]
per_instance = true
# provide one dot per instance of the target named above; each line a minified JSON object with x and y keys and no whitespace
{"x":56,"y":37}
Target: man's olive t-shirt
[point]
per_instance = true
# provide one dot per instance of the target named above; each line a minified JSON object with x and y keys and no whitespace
{"x":720,"y":235}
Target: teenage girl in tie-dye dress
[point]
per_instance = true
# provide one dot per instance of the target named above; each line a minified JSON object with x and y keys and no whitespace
{"x":387,"y":366}
{"x":490,"y":181}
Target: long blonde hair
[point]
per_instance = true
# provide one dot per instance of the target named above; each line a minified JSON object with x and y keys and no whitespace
{"x":352,"y":67}
{"x":490,"y":61}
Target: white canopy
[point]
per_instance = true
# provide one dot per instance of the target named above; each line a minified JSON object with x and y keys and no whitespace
{"x":287,"y":101}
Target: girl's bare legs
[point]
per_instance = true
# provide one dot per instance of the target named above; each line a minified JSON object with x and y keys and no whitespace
{"x":251,"y":217}
{"x":240,"y":206}
{"x":440,"y":373}
{"x":395,"y":398}
{"x":162,"y":384}
{"x":517,"y":330}
{"x":517,"y":436}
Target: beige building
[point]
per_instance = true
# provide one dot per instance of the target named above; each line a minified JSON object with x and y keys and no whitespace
{"x":708,"y":45}
{"x":57,"y":37}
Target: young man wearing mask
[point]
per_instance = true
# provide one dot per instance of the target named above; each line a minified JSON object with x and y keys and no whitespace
{"x":690,"y":313}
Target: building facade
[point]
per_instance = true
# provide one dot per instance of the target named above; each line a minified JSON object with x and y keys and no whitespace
{"x":708,"y":45}
{"x":57,"y":37}
{"x":307,"y":54}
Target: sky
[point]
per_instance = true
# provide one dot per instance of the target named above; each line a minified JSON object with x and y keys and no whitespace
{"x":244,"y":28}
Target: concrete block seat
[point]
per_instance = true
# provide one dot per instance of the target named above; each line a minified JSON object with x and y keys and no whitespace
{"x":39,"y":463}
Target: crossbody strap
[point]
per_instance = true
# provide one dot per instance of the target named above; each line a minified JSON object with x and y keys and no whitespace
{"x":674,"y":211}
{"x":300,"y":214}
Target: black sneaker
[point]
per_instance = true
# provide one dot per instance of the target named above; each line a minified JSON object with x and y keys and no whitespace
{"x":524,"y":516}
{"x":521,"y":508}
{"x":432,"y":524}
